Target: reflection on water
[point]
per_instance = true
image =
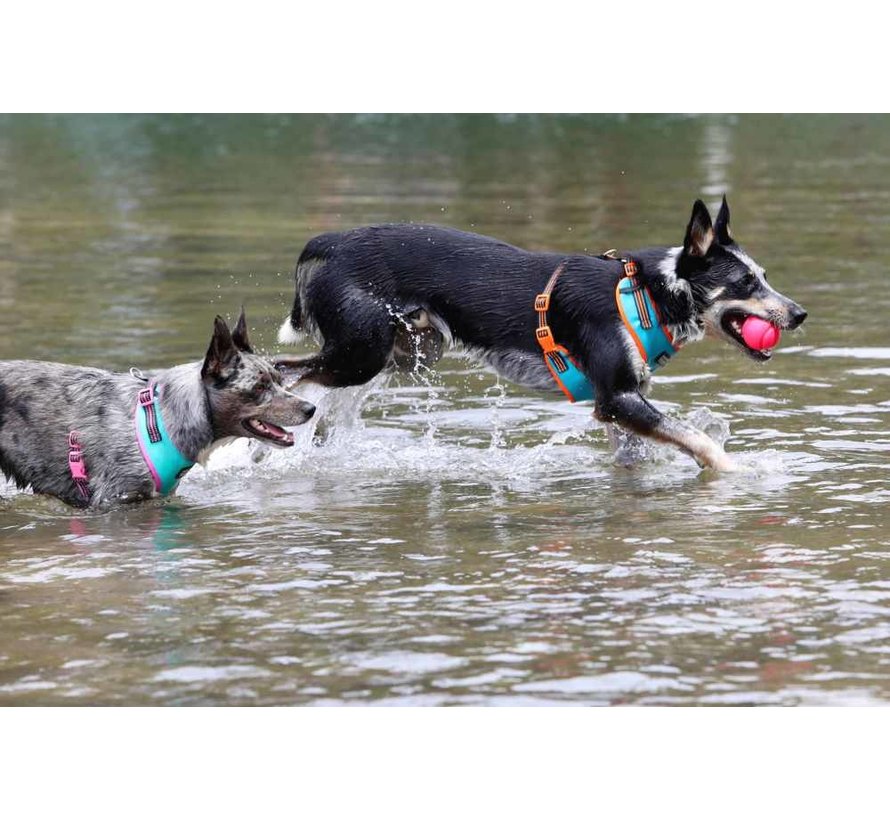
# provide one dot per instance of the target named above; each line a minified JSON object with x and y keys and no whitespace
{"x":453,"y":539}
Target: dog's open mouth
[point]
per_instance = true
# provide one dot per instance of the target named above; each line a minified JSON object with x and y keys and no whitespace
{"x":266,"y":431}
{"x":732,"y":322}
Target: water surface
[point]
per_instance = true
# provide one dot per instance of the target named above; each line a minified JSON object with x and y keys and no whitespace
{"x":448,"y":538}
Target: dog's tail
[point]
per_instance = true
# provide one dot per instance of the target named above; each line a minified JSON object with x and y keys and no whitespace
{"x":313,"y":258}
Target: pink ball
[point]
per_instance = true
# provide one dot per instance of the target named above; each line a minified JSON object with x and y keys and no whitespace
{"x":760,"y":335}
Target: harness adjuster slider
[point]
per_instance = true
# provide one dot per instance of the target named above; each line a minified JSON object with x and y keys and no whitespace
{"x":545,"y":339}
{"x":147,"y":402}
{"x":76,"y":464}
{"x":78,"y":469}
{"x":630,"y":268}
{"x":542,"y":302}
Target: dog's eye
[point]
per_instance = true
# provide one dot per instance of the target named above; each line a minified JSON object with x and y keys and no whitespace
{"x":262,"y":387}
{"x":758,"y":276}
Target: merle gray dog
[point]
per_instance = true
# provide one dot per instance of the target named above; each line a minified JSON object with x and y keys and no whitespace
{"x":94,"y":438}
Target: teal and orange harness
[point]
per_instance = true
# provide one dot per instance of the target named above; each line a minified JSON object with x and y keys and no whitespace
{"x":640,"y":316}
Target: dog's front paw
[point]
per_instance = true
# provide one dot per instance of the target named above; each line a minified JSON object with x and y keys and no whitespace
{"x":724,"y":464}
{"x":728,"y":465}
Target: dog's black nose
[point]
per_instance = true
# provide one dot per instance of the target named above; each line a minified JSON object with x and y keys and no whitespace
{"x":798,"y":314}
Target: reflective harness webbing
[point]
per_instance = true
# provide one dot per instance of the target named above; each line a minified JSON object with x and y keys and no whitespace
{"x":642,"y":319}
{"x":565,"y":370}
{"x":640,"y":316}
{"x":163,"y":459}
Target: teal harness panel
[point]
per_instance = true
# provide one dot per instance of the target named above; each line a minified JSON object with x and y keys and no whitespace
{"x":571,"y":379}
{"x":642,"y":320}
{"x":640,"y":317}
{"x":163,"y":459}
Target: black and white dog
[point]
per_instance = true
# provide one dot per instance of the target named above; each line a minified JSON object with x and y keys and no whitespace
{"x":94,"y":438}
{"x":394,"y":294}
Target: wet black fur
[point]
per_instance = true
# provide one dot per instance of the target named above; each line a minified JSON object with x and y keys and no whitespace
{"x":359,"y":289}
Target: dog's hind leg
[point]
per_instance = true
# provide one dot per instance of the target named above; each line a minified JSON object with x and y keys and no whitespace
{"x":418,"y":343}
{"x":302,"y":368}
{"x":334,"y":367}
{"x":353,"y":352}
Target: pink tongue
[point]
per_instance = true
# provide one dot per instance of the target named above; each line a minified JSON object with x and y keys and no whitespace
{"x":760,"y":335}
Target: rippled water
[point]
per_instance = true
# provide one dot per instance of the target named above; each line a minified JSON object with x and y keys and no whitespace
{"x":452,"y":539}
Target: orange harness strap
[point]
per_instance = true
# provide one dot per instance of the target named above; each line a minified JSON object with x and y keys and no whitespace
{"x":563,"y":368}
{"x":652,"y":338}
{"x":542,"y":305}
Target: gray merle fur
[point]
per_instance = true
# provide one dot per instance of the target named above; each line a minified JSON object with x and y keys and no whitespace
{"x":232,"y":392}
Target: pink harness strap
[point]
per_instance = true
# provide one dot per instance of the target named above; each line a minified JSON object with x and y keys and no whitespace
{"x":77,"y":466}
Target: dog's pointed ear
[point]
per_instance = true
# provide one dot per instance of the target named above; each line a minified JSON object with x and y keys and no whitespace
{"x":721,"y":226}
{"x":239,"y":334}
{"x":222,"y":352}
{"x":699,"y":232}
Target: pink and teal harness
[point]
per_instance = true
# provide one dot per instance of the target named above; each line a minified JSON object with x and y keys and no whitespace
{"x":166,"y":464}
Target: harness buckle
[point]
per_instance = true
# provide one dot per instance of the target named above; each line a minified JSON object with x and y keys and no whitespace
{"x":545,"y":339}
{"x":630,"y":268}
{"x":542,"y":302}
{"x":78,"y":469}
{"x":146,"y":397}
{"x":76,"y":464}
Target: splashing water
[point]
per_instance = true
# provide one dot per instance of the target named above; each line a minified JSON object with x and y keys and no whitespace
{"x":337,"y":440}
{"x":435,"y":440}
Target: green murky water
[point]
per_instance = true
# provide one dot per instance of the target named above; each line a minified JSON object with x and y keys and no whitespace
{"x":455,"y":540}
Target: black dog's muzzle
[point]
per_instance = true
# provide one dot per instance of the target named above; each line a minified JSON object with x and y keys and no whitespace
{"x":796,"y":316}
